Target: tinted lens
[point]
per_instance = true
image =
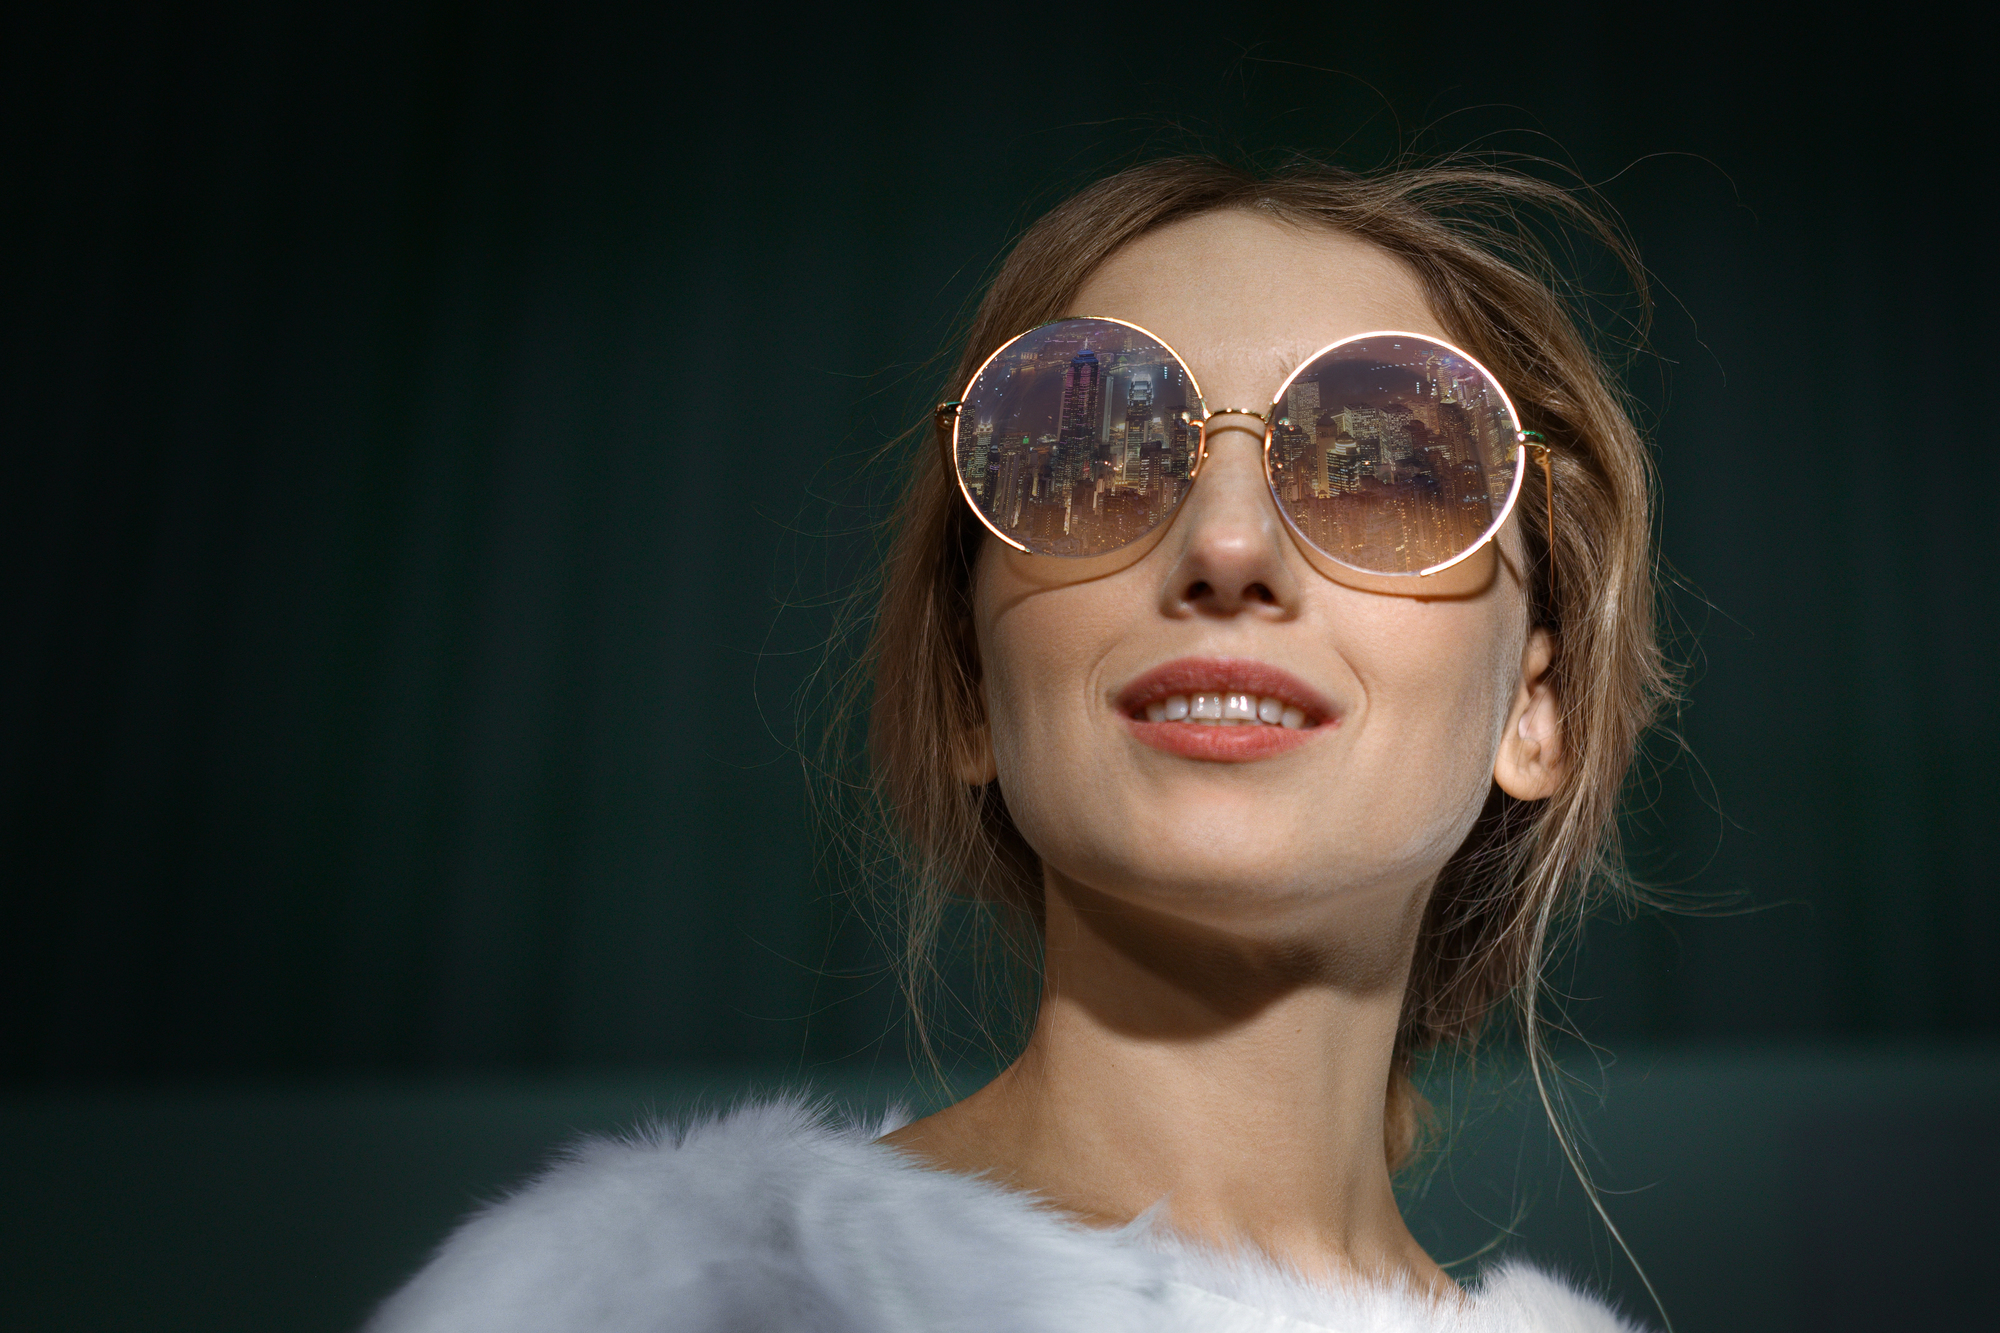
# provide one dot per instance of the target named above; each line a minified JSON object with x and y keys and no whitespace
{"x":1077,"y":438}
{"x":1394,"y":454}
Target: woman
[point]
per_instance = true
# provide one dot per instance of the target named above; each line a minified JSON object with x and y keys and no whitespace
{"x":1272,"y":629}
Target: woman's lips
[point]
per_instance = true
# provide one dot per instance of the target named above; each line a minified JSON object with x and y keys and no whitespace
{"x":1230,"y":709}
{"x":1231,"y":745}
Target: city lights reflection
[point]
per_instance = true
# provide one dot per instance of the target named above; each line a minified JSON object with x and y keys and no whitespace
{"x":1391,"y":452}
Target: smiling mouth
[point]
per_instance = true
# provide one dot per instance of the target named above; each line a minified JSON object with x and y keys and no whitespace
{"x":1224,"y":708}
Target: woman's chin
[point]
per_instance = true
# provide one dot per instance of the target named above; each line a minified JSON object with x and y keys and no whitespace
{"x":1239,"y":879}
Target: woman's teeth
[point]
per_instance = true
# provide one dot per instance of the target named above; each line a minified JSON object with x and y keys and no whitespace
{"x":1226,"y":710}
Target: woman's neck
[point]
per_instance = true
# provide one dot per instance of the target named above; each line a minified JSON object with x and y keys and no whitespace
{"x":1242,"y":1084}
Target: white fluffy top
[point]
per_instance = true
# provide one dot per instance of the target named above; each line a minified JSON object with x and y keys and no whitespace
{"x":777,"y":1218}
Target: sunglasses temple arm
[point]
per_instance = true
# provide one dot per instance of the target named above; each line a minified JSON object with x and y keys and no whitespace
{"x":1533,"y":440}
{"x":945,"y":417}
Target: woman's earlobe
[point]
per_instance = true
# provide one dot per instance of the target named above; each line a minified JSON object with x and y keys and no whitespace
{"x":1532,"y":756}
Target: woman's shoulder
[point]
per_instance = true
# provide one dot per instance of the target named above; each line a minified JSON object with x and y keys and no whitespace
{"x":781,"y":1216}
{"x":777,"y":1215}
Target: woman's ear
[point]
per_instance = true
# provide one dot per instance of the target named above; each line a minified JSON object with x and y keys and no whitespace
{"x":1531,"y":761}
{"x":972,"y":755}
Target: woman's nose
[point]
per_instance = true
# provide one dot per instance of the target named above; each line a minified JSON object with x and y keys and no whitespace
{"x":1228,"y":542}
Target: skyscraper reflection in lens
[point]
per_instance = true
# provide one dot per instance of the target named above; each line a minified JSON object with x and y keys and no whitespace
{"x":1393,"y":454}
{"x":1077,"y":439}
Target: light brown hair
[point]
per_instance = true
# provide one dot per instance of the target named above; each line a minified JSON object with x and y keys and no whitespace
{"x":1528,"y":868}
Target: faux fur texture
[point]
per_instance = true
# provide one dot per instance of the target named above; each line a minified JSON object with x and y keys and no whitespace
{"x":776,"y":1218}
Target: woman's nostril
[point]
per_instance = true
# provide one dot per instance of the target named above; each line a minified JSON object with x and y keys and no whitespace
{"x":1203,"y":593}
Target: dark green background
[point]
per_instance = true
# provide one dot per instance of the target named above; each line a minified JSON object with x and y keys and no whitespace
{"x":433,"y":440}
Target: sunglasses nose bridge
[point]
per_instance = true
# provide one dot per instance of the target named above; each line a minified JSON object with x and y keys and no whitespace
{"x":1235,"y":422}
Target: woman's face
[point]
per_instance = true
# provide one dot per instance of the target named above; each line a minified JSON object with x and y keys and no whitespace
{"x":1417,"y":694}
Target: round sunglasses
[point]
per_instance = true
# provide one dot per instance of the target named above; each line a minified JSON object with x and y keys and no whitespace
{"x":1390,"y":453}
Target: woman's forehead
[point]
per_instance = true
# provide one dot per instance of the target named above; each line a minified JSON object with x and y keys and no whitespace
{"x":1244,"y":297}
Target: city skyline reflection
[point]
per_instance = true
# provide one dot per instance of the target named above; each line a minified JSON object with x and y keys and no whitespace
{"x":1391,"y":452}
{"x":1077,"y":438}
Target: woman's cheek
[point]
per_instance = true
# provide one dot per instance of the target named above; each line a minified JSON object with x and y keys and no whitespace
{"x":1039,"y":767}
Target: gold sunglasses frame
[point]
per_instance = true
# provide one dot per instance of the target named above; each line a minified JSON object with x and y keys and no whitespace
{"x":946,"y":418}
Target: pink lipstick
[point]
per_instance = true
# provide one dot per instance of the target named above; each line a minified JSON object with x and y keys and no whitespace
{"x":1226,"y":709}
